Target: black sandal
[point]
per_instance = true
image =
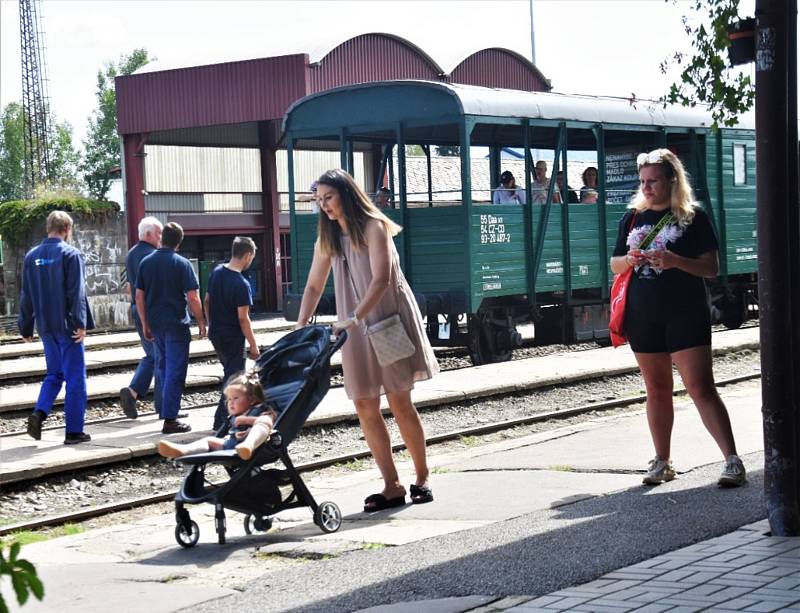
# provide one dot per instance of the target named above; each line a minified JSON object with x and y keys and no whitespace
{"x":420,"y":494}
{"x":379,"y":502}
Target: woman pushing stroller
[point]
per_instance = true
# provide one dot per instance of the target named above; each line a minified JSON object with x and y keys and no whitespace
{"x":355,"y":240}
{"x":250,"y":421}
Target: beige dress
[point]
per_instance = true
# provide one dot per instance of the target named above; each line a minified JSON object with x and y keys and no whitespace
{"x":363,"y":376}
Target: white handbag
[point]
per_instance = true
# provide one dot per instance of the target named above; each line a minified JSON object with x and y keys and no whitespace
{"x":388,"y":337}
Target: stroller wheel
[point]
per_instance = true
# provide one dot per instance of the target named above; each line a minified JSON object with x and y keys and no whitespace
{"x":187,"y":538}
{"x":253,"y":523}
{"x":328,"y":517}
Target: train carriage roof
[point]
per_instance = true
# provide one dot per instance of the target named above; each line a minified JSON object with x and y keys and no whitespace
{"x":389,"y":102}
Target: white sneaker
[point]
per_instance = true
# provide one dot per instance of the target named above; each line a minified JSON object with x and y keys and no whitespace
{"x":658,"y":471}
{"x":733,"y":475}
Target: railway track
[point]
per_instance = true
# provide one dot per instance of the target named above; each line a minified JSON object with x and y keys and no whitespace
{"x":326,"y":462}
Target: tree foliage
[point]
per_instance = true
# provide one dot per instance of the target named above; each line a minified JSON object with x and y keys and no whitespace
{"x":102,"y":144}
{"x":707,"y":77}
{"x":64,"y":159}
{"x":23,"y":576}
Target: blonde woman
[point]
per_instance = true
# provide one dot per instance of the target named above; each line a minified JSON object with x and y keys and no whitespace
{"x":667,"y":318}
{"x":355,"y":240}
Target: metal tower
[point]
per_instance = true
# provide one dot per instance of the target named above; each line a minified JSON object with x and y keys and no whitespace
{"x":35,"y":102}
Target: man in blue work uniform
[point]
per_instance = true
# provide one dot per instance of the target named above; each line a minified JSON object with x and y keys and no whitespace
{"x":227,"y":303}
{"x":165,"y":287}
{"x":54,"y":297}
{"x":149,"y":240}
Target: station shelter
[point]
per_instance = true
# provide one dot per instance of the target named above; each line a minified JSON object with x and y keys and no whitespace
{"x":202,"y":145}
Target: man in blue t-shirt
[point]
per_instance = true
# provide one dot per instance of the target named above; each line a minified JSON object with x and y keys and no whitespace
{"x":54,"y":297}
{"x":165,"y":287}
{"x":227,"y":303}
{"x":149,"y":240}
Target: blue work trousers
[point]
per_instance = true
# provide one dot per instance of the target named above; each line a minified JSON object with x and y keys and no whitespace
{"x":143,"y":376}
{"x":172,"y":362}
{"x":65,"y":363}
{"x":230,"y":352}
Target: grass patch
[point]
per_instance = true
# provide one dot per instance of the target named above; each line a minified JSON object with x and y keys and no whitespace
{"x":440,"y":470}
{"x":373,"y":545}
{"x":468,"y":441}
{"x":26,"y":537}
{"x":564,"y":468}
{"x":354,"y":465}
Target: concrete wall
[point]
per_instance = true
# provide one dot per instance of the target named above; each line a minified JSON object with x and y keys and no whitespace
{"x":104,"y":244}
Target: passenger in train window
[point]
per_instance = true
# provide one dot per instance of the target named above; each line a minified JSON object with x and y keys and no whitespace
{"x":149,"y":240}
{"x":227,"y":304}
{"x":383,"y":198}
{"x":54,"y":298}
{"x":508,"y":192}
{"x":572,"y":196}
{"x":667,"y":319}
{"x":355,"y":239}
{"x":166,"y":290}
{"x":540,"y":183}
{"x":589,"y":177}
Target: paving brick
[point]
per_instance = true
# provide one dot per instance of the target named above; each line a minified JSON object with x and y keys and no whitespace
{"x":567,"y":604}
{"x":653,"y":608}
{"x":765,"y":606}
{"x":543,"y":601}
{"x":784,"y":583}
{"x":596,"y":608}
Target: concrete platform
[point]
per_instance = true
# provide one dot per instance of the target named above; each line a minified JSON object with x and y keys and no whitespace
{"x":477,"y":489}
{"x":22,"y":458}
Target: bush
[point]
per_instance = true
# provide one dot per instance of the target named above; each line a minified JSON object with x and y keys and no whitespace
{"x":17,"y":217}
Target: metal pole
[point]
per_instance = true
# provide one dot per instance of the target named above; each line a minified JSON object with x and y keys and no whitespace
{"x":778,"y":257}
{"x":533,"y":41}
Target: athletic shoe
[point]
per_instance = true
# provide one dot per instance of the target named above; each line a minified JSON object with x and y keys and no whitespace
{"x":73,"y":438}
{"x":659,"y":471}
{"x":733,"y":475}
{"x":35,"y":420}
{"x":173,"y":426}
{"x":128,"y":403}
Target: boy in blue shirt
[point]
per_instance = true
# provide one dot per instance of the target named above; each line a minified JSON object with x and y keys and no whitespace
{"x":227,"y":303}
{"x":54,"y":296}
{"x":165,"y":287}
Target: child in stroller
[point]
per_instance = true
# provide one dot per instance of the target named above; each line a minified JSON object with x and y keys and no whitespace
{"x":250,"y":420}
{"x":295,"y":375}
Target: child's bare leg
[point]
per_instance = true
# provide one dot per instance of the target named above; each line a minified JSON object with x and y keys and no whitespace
{"x":168,"y":449}
{"x":215,"y":444}
{"x":257,"y":435}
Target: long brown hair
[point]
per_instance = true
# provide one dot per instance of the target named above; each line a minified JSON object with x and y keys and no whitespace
{"x":357,"y":209}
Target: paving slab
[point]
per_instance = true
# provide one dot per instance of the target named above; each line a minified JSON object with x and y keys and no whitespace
{"x":611,"y":448}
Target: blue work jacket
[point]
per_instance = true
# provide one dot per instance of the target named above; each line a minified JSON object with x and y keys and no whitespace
{"x":53,"y":291}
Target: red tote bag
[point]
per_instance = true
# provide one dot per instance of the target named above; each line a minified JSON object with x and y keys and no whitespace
{"x":617,"y":302}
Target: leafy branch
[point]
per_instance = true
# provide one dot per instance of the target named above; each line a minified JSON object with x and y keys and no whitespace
{"x":23,"y":575}
{"x":707,"y":77}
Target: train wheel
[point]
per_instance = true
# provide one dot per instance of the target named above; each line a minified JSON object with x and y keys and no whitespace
{"x":187,"y":536}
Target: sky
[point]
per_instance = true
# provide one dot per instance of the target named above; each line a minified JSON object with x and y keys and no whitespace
{"x":604,"y":47}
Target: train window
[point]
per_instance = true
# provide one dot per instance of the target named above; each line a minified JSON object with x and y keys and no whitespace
{"x":739,"y":164}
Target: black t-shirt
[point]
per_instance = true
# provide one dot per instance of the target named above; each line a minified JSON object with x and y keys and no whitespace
{"x":667,"y":289}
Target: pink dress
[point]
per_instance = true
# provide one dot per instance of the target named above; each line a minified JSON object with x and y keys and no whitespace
{"x":363,"y":376}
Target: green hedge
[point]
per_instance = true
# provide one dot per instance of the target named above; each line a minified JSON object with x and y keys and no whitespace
{"x":17,"y":217}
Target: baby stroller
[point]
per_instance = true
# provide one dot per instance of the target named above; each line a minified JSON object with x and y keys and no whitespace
{"x":295,"y":376}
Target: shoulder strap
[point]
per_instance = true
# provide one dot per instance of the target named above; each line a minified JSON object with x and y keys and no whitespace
{"x":655,"y":230}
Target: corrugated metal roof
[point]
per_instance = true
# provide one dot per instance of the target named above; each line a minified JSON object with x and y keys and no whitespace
{"x":201,"y":169}
{"x":499,"y":68}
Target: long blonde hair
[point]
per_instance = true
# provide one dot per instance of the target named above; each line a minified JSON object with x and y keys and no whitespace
{"x":682,"y":202}
{"x":357,"y":209}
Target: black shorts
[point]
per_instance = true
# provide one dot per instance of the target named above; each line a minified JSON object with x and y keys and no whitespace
{"x":669,"y":330}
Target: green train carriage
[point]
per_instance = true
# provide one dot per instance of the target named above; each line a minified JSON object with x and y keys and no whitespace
{"x":479,"y":269}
